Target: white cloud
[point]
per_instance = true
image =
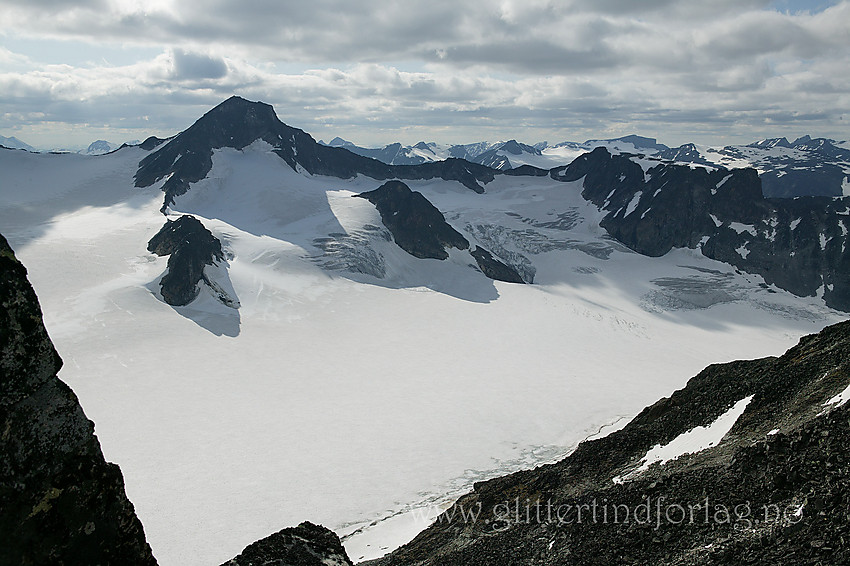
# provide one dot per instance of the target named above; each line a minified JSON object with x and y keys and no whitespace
{"x":671,"y":69}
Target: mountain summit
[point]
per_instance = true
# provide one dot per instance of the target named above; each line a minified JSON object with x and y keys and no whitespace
{"x":237,"y":123}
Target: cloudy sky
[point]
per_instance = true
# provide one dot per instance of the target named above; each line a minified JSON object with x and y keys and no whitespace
{"x":709,"y":71}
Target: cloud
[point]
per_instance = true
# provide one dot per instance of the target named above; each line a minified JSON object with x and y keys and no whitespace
{"x":188,"y":65}
{"x":485,"y":68}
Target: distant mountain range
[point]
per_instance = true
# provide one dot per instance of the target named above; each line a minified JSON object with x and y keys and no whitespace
{"x":804,"y":167}
{"x":97,"y":147}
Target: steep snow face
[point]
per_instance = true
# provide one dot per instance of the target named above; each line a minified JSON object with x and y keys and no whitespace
{"x":356,"y":386}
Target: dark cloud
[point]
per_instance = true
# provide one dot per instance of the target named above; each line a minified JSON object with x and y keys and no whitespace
{"x":194,"y":66}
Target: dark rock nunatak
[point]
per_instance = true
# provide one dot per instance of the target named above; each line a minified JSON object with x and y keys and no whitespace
{"x":417,"y":226}
{"x":190,"y":247}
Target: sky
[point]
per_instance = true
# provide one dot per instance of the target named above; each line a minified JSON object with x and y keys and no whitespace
{"x":712,"y":72}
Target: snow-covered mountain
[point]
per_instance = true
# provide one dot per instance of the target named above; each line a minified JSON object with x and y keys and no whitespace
{"x":362,"y":333}
{"x":15,"y":143}
{"x":99,"y":147}
{"x":804,"y":167}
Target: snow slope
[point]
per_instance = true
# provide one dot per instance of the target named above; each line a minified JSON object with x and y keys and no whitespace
{"x":357,"y":386}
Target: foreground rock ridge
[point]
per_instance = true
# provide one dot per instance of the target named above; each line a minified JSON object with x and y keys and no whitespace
{"x":304,"y":545}
{"x":60,"y":501}
{"x":799,"y":245}
{"x":775,"y":490}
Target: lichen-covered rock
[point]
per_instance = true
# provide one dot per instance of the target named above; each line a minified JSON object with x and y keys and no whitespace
{"x":304,"y":545}
{"x":60,"y":501}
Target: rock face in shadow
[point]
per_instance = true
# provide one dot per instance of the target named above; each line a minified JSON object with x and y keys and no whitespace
{"x":774,"y":490}
{"x":493,"y":268}
{"x":799,"y":245}
{"x":60,"y":501}
{"x":304,"y":545}
{"x":236,"y":123}
{"x":417,"y":226}
{"x":190,"y":247}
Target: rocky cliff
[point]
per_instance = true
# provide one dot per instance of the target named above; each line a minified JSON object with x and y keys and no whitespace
{"x":799,"y":245}
{"x":60,"y":501}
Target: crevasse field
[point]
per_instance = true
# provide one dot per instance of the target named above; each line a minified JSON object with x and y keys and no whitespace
{"x":357,"y":386}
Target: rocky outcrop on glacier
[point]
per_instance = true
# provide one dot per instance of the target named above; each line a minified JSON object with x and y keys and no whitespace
{"x":192,"y":251}
{"x":417,"y":226}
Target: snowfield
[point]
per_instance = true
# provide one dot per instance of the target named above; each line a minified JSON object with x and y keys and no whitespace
{"x":357,"y":386}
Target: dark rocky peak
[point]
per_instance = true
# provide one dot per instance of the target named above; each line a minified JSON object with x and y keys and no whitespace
{"x":304,"y":545}
{"x":823,"y":147}
{"x":417,"y":226}
{"x":515,"y":148}
{"x":802,"y":141}
{"x":152,"y":143}
{"x":424,"y":147}
{"x":687,"y":153}
{"x":603,"y":169}
{"x":773,"y":490}
{"x":60,"y":501}
{"x":495,"y":158}
{"x":191,"y":248}
{"x":236,"y":123}
{"x":339,"y":142}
